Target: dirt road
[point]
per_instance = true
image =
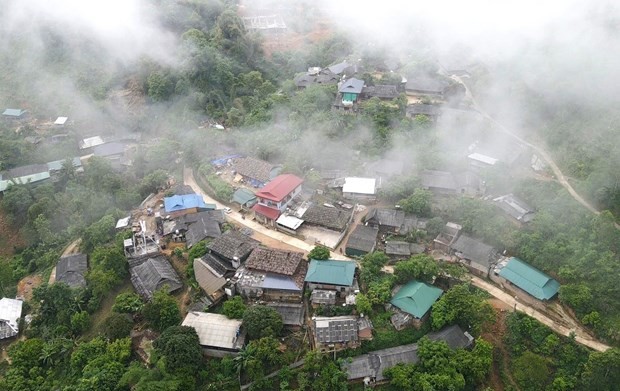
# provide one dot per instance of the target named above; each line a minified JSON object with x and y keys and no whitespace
{"x":188,"y":179}
{"x":581,"y":336}
{"x":561,"y":179}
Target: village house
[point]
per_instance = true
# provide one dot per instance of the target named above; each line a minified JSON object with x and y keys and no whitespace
{"x":179,"y":205}
{"x":439,"y":182}
{"x":274,"y":197}
{"x":149,"y":274}
{"x":10,"y":314}
{"x":421,"y":86}
{"x":387,"y":220}
{"x":272,"y":275}
{"x":328,"y":217}
{"x":514,"y":273}
{"x":316,"y":75}
{"x":349,"y":92}
{"x":57,"y":165}
{"x":212,"y":273}
{"x":335,"y":333}
{"x":254,"y":171}
{"x":432,"y":112}
{"x":360,"y":188}
{"x":233,"y":247}
{"x":292,"y":313}
{"x":218,"y":335}
{"x":479,"y":160}
{"x":383,"y":92}
{"x":71,"y":270}
{"x":515,"y":208}
{"x":370,"y":367}
{"x":402,"y":250}
{"x":32,"y":173}
{"x":192,"y":227}
{"x":413,"y":302}
{"x":338,"y":276}
{"x":446,"y":237}
{"x":90,"y":142}
{"x":288,"y":223}
{"x":14,"y":114}
{"x":362,"y":240}
{"x":245,"y":198}
{"x":478,"y":257}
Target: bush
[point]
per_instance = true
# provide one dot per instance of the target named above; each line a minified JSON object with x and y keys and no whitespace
{"x":234,"y":308}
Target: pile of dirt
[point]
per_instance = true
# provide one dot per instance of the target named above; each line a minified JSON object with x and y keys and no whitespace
{"x":27,"y":284}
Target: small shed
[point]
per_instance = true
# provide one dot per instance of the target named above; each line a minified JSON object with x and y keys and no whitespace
{"x":244,"y":197}
{"x":362,"y":240}
{"x":359,"y":188}
{"x":153,"y":274}
{"x":71,"y":269}
{"x":218,"y":335}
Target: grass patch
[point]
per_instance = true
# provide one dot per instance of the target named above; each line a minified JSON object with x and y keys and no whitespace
{"x":105,"y":309}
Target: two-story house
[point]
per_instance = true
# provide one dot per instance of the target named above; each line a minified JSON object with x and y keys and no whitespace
{"x":275,"y":197}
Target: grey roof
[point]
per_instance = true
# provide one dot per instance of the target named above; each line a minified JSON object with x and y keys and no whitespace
{"x":352,"y":85}
{"x":386,"y":167}
{"x":321,"y":296}
{"x":375,"y":363}
{"x":152,"y":275}
{"x":363,"y":238}
{"x":335,"y":329}
{"x":338,"y":68}
{"x":432,"y":179}
{"x":304,"y":80}
{"x":254,"y":168}
{"x":386,"y":217}
{"x":515,"y":207}
{"x":474,"y":250}
{"x":10,"y":313}
{"x":381,"y":92}
{"x":109,"y":149}
{"x":398,"y":248}
{"x":429,"y":110}
{"x":327,"y":77}
{"x":203,"y":228}
{"x":233,"y":244}
{"x":332,"y":218}
{"x":292,"y":313}
{"x":71,"y":269}
{"x":425,"y":84}
{"x":210,"y":273}
{"x":22,"y":171}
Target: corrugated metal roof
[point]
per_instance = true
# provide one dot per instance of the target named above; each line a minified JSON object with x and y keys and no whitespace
{"x":208,"y":277}
{"x":244,"y":196}
{"x":61,"y":120}
{"x":290,"y":222}
{"x":331,"y":272}
{"x":214,"y":330}
{"x":336,"y":329}
{"x":13,"y":112}
{"x":359,"y":185}
{"x":181,"y":202}
{"x":530,"y":279}
{"x":10,"y":312}
{"x":416,"y":298}
{"x":280,"y":187}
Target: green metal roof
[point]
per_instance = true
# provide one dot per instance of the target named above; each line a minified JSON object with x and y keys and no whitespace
{"x":244,"y":196}
{"x":530,"y":279}
{"x":331,"y":272}
{"x":416,"y":298}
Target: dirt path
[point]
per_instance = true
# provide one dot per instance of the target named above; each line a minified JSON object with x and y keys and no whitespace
{"x":581,"y":335}
{"x":259,"y":230}
{"x":560,"y":177}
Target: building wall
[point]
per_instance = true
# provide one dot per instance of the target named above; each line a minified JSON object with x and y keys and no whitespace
{"x":214,"y":352}
{"x":357,"y":196}
{"x":338,"y":288}
{"x":270,"y":294}
{"x":281,"y":206}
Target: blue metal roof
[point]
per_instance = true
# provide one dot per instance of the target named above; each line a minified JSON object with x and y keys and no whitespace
{"x":530,"y":279}
{"x":182,"y":202}
{"x":275,"y":281}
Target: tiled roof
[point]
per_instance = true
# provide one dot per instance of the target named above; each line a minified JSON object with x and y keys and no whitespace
{"x":530,"y":279}
{"x":278,"y":188}
{"x":203,"y":228}
{"x":474,"y":250}
{"x":416,"y":298}
{"x":363,"y":238}
{"x":398,"y":248}
{"x":352,"y":85}
{"x":331,"y":272}
{"x":253,"y":168}
{"x":386,"y":217}
{"x":233,"y":244}
{"x":332,"y":218}
{"x":71,"y":269}
{"x":152,"y":275}
{"x":381,"y":91}
{"x":275,"y":261}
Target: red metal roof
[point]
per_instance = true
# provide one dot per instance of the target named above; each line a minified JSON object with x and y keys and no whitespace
{"x":278,"y":188}
{"x":266,"y":211}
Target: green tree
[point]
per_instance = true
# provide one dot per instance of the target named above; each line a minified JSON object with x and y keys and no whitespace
{"x":80,"y":322}
{"x":362,"y":304}
{"x":419,"y":267}
{"x":234,"y":308}
{"x":128,"y":303}
{"x":159,"y":86}
{"x":577,"y":296}
{"x":531,"y":371}
{"x":319,"y":252}
{"x":419,"y":203}
{"x":602,"y":371}
{"x":461,"y":305}
{"x":380,"y":291}
{"x":117,"y":326}
{"x":319,"y":373}
{"x":181,"y":348}
{"x":264,"y":357}
{"x":262,"y":321}
{"x":162,"y":311}
{"x":371,"y":266}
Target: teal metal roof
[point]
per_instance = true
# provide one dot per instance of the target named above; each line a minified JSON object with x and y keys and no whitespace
{"x":13,"y":112}
{"x":416,"y":298}
{"x":331,"y":272}
{"x":244,"y":196}
{"x":56,"y":165}
{"x":530,"y":279}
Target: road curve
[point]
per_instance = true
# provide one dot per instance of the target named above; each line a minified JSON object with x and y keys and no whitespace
{"x":188,"y":179}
